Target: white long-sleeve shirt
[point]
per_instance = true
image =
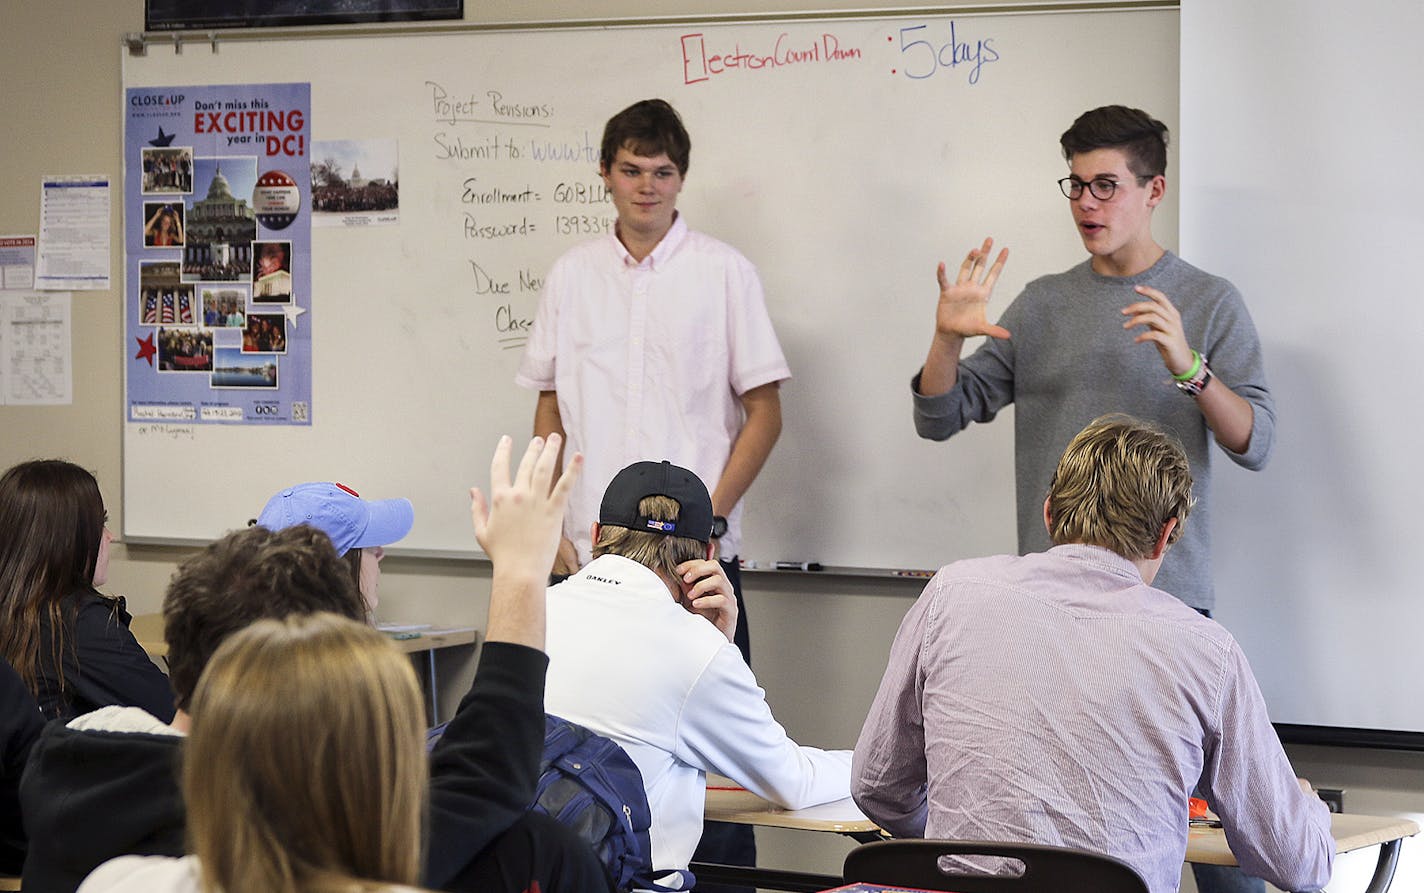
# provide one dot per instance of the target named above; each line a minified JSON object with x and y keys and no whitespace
{"x":628,"y":662}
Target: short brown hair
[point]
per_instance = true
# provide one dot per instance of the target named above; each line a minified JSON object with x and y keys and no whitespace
{"x":306,"y":767}
{"x":244,"y":577}
{"x":1141,"y":137}
{"x":1118,"y":482}
{"x":652,"y":550}
{"x":647,"y":128}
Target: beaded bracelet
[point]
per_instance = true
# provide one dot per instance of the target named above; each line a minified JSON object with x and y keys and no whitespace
{"x":1196,"y":379}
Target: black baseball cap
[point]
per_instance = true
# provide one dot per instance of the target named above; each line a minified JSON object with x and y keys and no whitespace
{"x":642,"y":479}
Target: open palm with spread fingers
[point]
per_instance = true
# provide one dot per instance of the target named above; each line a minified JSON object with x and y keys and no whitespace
{"x":962,"y":302}
{"x":519,"y":525}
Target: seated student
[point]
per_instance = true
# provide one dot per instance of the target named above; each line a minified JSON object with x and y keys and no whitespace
{"x":640,"y":650}
{"x":1057,"y":698}
{"x":359,"y":528}
{"x":305,"y":768}
{"x":70,"y":644}
{"x":20,"y":724}
{"x":108,"y":787}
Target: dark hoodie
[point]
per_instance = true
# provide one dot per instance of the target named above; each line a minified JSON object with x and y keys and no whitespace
{"x":88,"y":796}
{"x":20,"y":724}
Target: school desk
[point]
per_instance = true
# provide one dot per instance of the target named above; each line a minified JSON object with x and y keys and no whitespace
{"x":411,"y":638}
{"x":726,"y":802}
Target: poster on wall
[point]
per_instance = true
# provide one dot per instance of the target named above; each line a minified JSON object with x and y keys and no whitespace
{"x":217,"y":228}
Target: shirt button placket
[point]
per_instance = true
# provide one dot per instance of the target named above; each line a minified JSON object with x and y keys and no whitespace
{"x":637,"y":356}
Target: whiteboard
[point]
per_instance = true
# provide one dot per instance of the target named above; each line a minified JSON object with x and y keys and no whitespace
{"x":1312,"y":206}
{"x":844,"y":156}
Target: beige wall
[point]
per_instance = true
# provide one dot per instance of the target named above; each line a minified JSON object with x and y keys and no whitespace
{"x":820,"y":643}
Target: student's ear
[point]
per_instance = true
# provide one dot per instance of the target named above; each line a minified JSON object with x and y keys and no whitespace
{"x":1047,"y":517}
{"x":593,"y":530}
{"x":1157,"y":191}
{"x":711,"y":549}
{"x":1160,"y":548}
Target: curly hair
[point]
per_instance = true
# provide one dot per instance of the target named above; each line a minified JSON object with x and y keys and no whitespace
{"x":246,"y":576}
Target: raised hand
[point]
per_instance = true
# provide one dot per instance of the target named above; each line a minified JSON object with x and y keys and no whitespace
{"x":962,"y":302}
{"x":521,"y":526}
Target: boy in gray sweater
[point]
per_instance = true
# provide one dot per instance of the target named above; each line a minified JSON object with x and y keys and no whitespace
{"x":1075,"y":345}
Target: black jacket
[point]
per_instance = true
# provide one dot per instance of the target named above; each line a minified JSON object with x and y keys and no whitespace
{"x":20,"y":725}
{"x":485,"y":768}
{"x":89,"y":796}
{"x":103,"y":664}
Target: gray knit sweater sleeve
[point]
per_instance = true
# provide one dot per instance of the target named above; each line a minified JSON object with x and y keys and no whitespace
{"x":1230,"y":343}
{"x":985,"y":385}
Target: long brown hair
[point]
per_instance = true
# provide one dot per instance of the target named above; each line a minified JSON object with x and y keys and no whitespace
{"x":305,"y":768}
{"x":51,"y":523}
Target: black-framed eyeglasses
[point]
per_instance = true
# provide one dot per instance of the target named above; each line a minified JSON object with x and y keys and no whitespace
{"x":1102,"y":188}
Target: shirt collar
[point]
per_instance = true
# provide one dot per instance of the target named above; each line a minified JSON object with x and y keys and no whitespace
{"x":1100,"y":557}
{"x":671,"y":241}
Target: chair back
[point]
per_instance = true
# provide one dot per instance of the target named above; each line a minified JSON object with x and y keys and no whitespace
{"x":1046,"y":869}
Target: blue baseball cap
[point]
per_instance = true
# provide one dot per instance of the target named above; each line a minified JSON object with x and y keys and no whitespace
{"x":340,"y":513}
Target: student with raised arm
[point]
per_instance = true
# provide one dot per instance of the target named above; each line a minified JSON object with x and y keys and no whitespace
{"x":107,"y":785}
{"x":304,"y":772}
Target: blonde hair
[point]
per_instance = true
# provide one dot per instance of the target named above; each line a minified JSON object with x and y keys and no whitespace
{"x":653,"y":550}
{"x":1118,"y":482}
{"x":306,"y":769}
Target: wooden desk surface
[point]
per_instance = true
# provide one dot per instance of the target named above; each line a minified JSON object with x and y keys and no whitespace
{"x":728,"y":803}
{"x":148,"y":629}
{"x":1351,"y":832}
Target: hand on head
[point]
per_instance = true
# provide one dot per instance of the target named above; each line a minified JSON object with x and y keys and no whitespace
{"x":707,"y":591}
